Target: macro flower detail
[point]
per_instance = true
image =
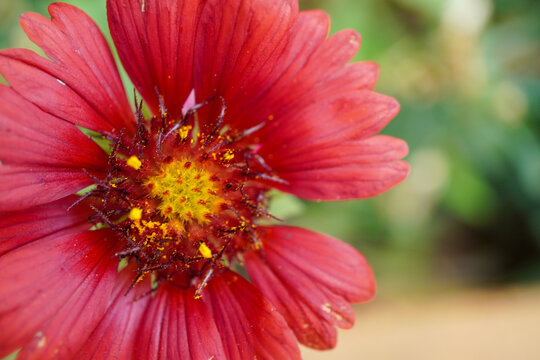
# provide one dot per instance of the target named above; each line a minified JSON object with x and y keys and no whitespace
{"x":125,"y":227}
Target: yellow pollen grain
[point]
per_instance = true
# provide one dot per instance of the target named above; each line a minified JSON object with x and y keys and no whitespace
{"x":205,"y":251}
{"x":184,"y":131}
{"x":135,"y":214}
{"x":134,"y":162}
{"x":185,"y":192}
{"x":228,"y":156}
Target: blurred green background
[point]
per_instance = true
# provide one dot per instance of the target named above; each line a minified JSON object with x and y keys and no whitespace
{"x":467,"y":75}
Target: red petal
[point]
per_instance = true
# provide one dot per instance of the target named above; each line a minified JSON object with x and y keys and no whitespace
{"x":25,"y":186}
{"x":261,"y":96}
{"x":155,"y":42}
{"x":303,"y":70}
{"x":312,"y":71}
{"x":116,"y":334}
{"x":303,"y":319}
{"x":238,"y":43}
{"x":82,"y":61}
{"x":57,"y":288}
{"x":306,"y":96}
{"x":327,"y":95}
{"x":346,"y":170}
{"x":311,"y":278}
{"x":343,"y":116}
{"x":22,"y":227}
{"x":176,"y":326}
{"x":38,"y":80}
{"x":30,"y":136}
{"x":41,"y":157}
{"x":250,"y":327}
{"x":336,"y":106}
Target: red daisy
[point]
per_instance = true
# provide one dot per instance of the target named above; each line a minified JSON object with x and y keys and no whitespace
{"x":241,"y":96}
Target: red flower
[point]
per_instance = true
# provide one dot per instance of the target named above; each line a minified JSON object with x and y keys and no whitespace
{"x":179,"y":194}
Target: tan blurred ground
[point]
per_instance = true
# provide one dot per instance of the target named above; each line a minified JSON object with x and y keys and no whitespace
{"x":493,"y":325}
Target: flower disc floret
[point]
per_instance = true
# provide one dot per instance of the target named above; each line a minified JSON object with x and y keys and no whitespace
{"x":187,"y":192}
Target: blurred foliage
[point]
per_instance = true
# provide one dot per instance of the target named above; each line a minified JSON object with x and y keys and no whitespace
{"x":468,"y":78}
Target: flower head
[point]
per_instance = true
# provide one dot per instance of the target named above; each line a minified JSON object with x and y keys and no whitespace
{"x":238,"y":97}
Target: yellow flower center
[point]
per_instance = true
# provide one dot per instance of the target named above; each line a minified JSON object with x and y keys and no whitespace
{"x":186,"y":192}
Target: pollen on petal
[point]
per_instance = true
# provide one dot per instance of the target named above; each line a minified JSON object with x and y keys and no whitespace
{"x":184,"y":131}
{"x":134,"y":162}
{"x":135,"y":214}
{"x":205,"y":251}
{"x":228,"y":156}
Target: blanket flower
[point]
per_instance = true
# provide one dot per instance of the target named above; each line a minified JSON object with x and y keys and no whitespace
{"x":126,"y":226}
